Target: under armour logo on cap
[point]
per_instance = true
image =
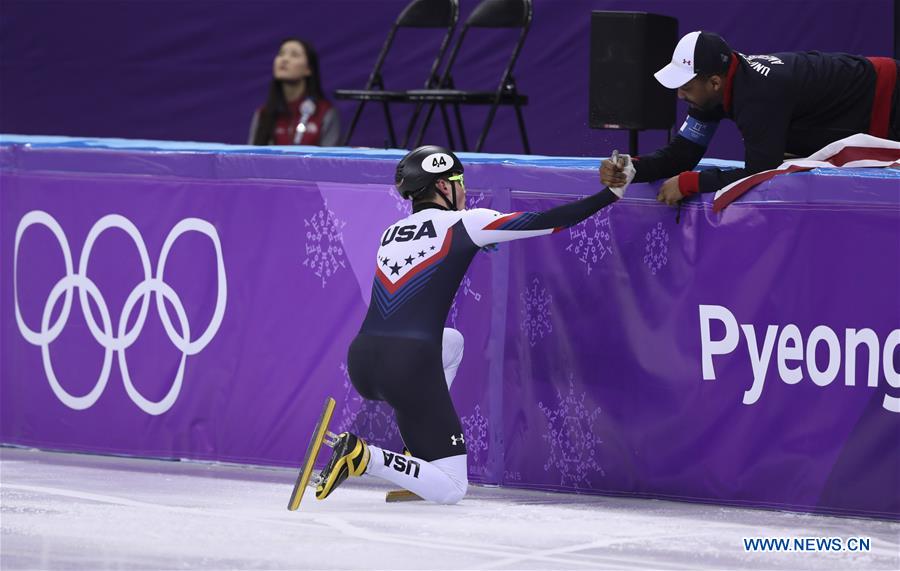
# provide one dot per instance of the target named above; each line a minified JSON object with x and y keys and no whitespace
{"x":696,"y":53}
{"x":457,"y":440}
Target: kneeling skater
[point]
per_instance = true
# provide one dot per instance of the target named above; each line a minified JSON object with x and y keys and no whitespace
{"x":403,"y":354}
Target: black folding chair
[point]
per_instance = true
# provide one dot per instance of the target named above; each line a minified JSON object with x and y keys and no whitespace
{"x":488,"y":14}
{"x":417,"y":14}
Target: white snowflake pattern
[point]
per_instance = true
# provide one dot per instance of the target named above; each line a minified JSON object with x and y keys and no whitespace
{"x":372,"y":420}
{"x":573,"y":438}
{"x":475,"y":427}
{"x":591,"y":240}
{"x":466,"y":289}
{"x":473,"y":200}
{"x":324,"y":244}
{"x":536,"y":312}
{"x":403,"y":205}
{"x":657,"y":250}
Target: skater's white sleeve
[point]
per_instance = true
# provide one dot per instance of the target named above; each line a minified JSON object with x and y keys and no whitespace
{"x":486,"y":226}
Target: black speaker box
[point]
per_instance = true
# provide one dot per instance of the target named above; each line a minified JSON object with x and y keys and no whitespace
{"x":627,"y":48}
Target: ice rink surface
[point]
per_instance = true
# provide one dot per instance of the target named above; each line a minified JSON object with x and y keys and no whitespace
{"x":70,"y":511}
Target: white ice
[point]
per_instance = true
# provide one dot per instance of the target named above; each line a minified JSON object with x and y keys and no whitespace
{"x":70,"y":511}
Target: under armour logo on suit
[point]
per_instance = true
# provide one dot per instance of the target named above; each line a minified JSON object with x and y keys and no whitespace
{"x":457,"y":440}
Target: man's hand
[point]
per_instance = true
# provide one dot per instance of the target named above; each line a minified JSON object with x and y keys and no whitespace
{"x":620,"y":167}
{"x":612,"y":174}
{"x":669,"y":192}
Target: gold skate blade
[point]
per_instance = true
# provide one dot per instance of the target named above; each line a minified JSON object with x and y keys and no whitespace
{"x":401,"y":496}
{"x":312,"y":452}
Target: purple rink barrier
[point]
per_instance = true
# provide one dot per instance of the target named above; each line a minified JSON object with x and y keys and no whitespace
{"x":197,"y":301}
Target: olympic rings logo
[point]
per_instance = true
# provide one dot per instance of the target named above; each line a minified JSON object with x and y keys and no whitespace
{"x":123,"y":338}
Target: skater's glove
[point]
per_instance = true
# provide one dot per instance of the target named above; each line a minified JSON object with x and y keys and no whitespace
{"x":623,"y":164}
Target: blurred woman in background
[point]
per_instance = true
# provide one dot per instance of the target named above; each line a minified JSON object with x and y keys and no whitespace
{"x":296,"y":111}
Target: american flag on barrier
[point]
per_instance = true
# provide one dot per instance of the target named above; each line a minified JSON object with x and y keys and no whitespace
{"x":855,"y":151}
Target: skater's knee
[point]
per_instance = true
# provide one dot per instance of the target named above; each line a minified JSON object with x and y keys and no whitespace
{"x":454,"y":493}
{"x":453,"y":345}
{"x":457,"y":481}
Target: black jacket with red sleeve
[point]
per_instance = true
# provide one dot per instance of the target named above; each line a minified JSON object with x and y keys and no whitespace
{"x":785,"y":103}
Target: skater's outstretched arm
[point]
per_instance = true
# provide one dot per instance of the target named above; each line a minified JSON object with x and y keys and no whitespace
{"x":487,"y":226}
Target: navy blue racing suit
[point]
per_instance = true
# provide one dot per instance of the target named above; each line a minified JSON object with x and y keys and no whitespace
{"x":396,"y":357}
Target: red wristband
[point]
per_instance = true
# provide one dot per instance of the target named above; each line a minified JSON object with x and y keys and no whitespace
{"x":689,"y":183}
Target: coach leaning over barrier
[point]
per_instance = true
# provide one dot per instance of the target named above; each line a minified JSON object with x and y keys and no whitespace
{"x":790,"y":103}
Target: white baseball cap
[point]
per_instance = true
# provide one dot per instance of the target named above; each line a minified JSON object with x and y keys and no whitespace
{"x":697,"y":52}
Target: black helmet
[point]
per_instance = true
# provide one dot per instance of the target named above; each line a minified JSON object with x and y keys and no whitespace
{"x":422,"y":167}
